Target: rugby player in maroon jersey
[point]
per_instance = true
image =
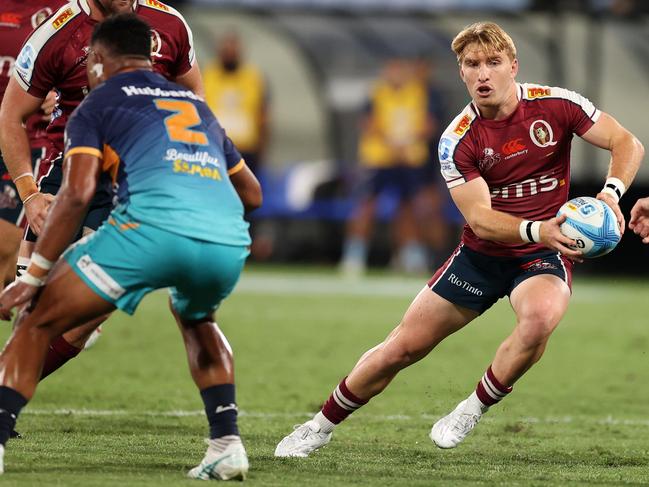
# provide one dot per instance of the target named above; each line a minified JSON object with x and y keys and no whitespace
{"x":505,"y":159}
{"x":17,"y":20}
{"x":54,"y":57}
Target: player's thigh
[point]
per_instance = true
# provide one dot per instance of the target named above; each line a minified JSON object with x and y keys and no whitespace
{"x":472,"y":280}
{"x":539,"y":303}
{"x":123,"y":261}
{"x":207,"y":279}
{"x":65,"y":302}
{"x":428,"y":320}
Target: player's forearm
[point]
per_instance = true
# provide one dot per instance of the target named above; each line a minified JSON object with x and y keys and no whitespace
{"x":626,"y":156}
{"x":496,"y":226}
{"x":14,"y":145}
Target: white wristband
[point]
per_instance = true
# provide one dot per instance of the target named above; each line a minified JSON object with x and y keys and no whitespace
{"x":41,"y":261}
{"x":615,"y":188}
{"x":27,"y":278}
{"x":530,"y":231}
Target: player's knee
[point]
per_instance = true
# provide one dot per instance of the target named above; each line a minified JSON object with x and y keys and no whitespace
{"x":535,"y":328}
{"x":397,"y":357}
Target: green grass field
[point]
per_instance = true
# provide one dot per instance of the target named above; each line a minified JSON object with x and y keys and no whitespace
{"x":127,"y":413}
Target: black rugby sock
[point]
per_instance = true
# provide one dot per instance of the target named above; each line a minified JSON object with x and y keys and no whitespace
{"x":11,"y":403}
{"x":221,"y":410}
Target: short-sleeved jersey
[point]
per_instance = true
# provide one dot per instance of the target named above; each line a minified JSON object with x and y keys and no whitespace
{"x":166,"y":153}
{"x":18,"y":18}
{"x":524,"y":159}
{"x":54,"y":56}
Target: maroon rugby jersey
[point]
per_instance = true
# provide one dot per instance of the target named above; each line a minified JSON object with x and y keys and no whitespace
{"x":55,"y":55}
{"x":18,"y":18}
{"x":524,"y":159}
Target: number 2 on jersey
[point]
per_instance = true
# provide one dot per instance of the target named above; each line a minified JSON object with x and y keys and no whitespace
{"x":180,"y":122}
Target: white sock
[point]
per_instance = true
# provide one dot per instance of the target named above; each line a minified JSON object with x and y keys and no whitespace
{"x":326,"y":426}
{"x":220,"y":444}
{"x":477,"y":404}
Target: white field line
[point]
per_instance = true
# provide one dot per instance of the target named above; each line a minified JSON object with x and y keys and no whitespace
{"x":334,"y":285}
{"x":608,"y":420}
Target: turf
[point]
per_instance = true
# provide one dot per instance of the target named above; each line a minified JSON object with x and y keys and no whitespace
{"x":127,"y":413}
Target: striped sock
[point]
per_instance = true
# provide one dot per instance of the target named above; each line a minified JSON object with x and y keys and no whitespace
{"x":489,"y":390}
{"x":341,"y":403}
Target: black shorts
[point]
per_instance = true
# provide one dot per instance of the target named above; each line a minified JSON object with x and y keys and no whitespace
{"x":10,"y":205}
{"x":100,"y":206}
{"x":476,"y":281}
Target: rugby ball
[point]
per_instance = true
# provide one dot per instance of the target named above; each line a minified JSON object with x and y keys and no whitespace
{"x":592,"y":224}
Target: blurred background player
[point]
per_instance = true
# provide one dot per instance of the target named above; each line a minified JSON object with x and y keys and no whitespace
{"x":170,"y":209}
{"x":237,"y":93}
{"x":17,"y":20}
{"x":239,"y":96}
{"x":512,"y":244}
{"x":432,"y":199}
{"x":393,"y":151}
{"x":54,"y":57}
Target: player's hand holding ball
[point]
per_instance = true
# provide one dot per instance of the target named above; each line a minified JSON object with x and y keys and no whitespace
{"x":592,"y":224}
{"x":613,"y":205}
{"x":552,"y":237}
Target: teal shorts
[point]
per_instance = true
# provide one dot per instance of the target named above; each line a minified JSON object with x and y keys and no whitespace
{"x":123,"y":261}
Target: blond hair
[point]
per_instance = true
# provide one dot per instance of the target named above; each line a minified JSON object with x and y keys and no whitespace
{"x":488,"y":35}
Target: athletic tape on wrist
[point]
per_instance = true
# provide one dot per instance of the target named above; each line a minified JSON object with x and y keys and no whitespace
{"x":41,"y":261}
{"x":31,"y":196}
{"x":26,"y":187}
{"x":23,"y":175}
{"x":530,"y":231}
{"x":615,"y":187}
{"x":27,"y":278}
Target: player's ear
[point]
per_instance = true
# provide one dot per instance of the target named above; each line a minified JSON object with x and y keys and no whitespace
{"x":514,"y":67}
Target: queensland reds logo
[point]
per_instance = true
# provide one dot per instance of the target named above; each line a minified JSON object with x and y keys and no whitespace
{"x":39,"y":17}
{"x":541,"y":134}
{"x":156,"y":43}
{"x":489,"y":160}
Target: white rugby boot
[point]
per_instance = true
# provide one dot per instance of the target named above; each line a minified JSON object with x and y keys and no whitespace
{"x":229,"y":463}
{"x":449,"y":431}
{"x":304,"y":440}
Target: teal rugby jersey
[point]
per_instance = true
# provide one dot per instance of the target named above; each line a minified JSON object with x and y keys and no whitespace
{"x":167,"y":155}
